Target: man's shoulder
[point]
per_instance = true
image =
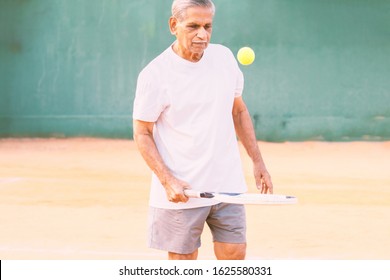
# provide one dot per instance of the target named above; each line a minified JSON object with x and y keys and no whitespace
{"x":155,"y":66}
{"x":221,"y":52}
{"x":162,"y":57}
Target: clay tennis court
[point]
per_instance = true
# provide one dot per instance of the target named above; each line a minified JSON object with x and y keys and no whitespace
{"x":87,"y":199}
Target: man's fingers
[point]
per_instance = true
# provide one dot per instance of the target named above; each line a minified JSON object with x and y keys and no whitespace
{"x":266,"y":186}
{"x":178,"y":195}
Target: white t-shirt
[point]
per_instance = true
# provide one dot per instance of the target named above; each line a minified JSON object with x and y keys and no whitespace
{"x":191,"y":106}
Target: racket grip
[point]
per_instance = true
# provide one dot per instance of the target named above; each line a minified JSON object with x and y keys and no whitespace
{"x":191,"y":193}
{"x":196,"y":194}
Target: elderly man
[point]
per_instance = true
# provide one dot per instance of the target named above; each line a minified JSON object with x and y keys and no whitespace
{"x":187,"y":114}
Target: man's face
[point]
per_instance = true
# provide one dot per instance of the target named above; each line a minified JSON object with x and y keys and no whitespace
{"x":193,"y":33}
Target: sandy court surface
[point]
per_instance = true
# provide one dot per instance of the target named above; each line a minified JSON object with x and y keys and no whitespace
{"x":87,"y":199}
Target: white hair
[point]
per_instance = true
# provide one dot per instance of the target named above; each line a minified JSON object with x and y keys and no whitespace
{"x":179,"y":7}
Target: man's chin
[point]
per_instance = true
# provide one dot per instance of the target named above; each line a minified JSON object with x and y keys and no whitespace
{"x":199,"y":47}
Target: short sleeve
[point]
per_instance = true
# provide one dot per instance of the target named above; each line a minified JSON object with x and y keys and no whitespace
{"x":239,"y":83}
{"x":148,"y":102}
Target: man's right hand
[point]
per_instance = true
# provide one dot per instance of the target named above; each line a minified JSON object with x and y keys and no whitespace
{"x":174,"y":189}
{"x":143,"y":136}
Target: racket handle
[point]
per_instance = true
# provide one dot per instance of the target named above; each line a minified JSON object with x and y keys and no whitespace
{"x":191,"y":193}
{"x":196,"y":194}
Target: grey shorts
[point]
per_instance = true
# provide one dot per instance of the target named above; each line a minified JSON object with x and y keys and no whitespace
{"x":179,"y":231}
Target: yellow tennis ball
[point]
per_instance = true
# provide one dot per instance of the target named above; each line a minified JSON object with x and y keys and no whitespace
{"x":246,"y":56}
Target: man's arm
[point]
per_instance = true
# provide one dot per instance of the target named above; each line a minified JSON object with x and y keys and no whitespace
{"x":143,"y":136}
{"x":246,"y":134}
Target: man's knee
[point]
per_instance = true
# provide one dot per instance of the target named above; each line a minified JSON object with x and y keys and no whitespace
{"x":229,"y":251}
{"x":175,"y":256}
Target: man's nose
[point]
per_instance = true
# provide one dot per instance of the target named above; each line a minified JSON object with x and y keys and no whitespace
{"x":202,"y":33}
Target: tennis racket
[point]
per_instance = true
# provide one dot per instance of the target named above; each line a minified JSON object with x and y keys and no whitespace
{"x":244,"y":198}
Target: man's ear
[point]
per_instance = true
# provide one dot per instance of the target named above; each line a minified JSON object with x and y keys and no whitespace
{"x":173,"y":25}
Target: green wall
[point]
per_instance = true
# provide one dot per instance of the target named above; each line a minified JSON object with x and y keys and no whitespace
{"x":322,"y":69}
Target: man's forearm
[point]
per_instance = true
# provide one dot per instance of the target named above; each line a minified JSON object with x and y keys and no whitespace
{"x":152,"y":157}
{"x":246,"y":134}
{"x":143,"y":136}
